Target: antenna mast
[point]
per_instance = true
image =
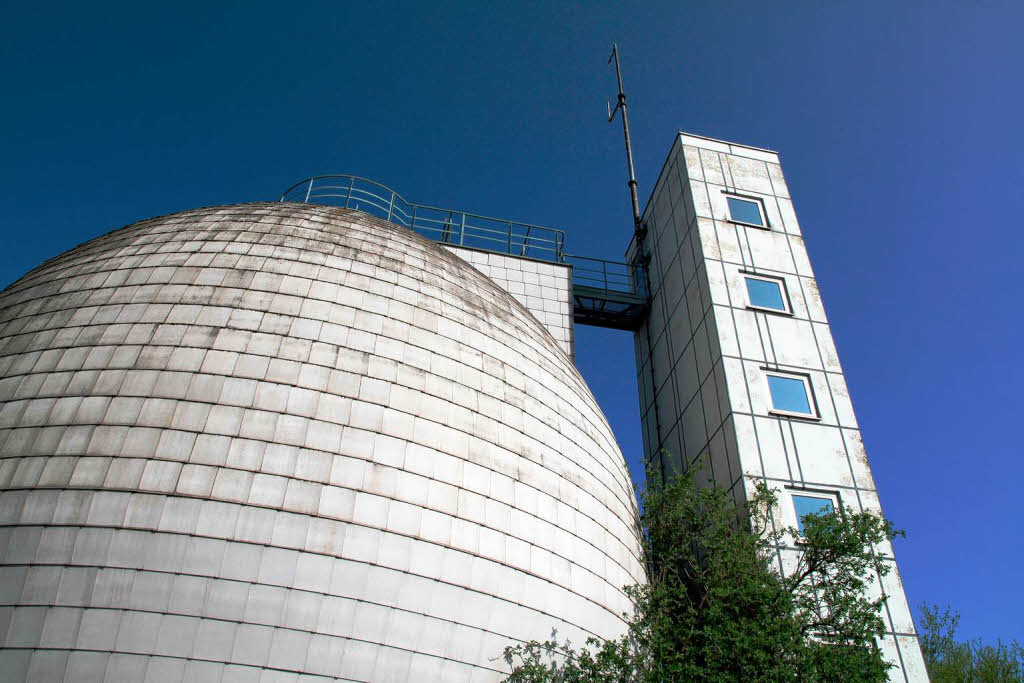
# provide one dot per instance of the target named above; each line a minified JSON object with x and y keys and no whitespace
{"x":637,"y":228}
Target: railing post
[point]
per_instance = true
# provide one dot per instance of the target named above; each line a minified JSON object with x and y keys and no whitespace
{"x":604,"y":274}
{"x":462,"y":230}
{"x":308,"y":191}
{"x":348,"y":197}
{"x":391,"y":206}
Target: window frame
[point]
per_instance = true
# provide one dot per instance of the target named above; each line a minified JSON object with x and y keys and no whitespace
{"x":756,"y":201}
{"x":812,"y":401}
{"x":830,"y":496}
{"x":781,"y":281}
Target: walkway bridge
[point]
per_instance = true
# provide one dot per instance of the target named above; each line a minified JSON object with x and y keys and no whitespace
{"x":605,"y":293}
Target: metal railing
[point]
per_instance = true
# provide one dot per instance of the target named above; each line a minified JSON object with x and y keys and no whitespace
{"x":605,"y":293}
{"x":613,"y":277}
{"x":447,"y":226}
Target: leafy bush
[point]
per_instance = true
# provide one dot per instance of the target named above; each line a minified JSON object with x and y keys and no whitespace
{"x":951,"y":660}
{"x":716,"y":607}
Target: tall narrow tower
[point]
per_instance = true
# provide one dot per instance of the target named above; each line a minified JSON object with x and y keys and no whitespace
{"x":736,"y":362}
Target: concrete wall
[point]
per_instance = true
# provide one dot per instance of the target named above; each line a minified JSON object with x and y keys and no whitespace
{"x":703,"y":355}
{"x":282,"y":442}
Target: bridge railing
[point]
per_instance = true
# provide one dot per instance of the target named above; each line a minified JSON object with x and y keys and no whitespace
{"x":610,"y":277}
{"x":448,"y":226}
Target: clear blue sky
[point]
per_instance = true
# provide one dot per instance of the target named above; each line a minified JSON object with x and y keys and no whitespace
{"x":899,"y":126}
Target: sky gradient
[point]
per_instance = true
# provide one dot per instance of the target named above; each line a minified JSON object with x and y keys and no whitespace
{"x":898,"y":125}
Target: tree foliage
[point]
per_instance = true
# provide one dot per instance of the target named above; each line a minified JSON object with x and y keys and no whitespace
{"x":949,"y":659}
{"x":716,"y":606}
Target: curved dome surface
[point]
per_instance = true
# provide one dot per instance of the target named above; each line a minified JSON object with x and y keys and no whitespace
{"x":283,"y":442}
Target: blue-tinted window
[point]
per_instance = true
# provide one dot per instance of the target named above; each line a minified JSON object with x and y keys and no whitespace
{"x":745,"y":211}
{"x":766,"y":294}
{"x":811,"y":505}
{"x":789,"y":394}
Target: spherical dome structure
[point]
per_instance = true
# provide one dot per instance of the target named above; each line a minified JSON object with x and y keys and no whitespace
{"x":280,"y":442}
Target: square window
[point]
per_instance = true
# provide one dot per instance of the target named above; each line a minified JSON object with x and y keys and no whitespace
{"x":767,"y":293}
{"x":747,"y":211}
{"x":791,"y":395}
{"x":804,"y":504}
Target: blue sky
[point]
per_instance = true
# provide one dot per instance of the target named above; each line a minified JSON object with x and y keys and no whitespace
{"x":898,"y":125}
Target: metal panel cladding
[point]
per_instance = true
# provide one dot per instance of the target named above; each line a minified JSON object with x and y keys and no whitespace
{"x":280,"y":442}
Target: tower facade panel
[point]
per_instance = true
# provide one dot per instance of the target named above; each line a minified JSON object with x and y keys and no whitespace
{"x":736,"y":364}
{"x":280,"y":442}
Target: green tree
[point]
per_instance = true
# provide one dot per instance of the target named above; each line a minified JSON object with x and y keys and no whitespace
{"x":951,"y":660}
{"x":716,"y":607}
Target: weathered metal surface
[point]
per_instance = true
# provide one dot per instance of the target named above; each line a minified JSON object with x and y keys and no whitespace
{"x":280,"y":441}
